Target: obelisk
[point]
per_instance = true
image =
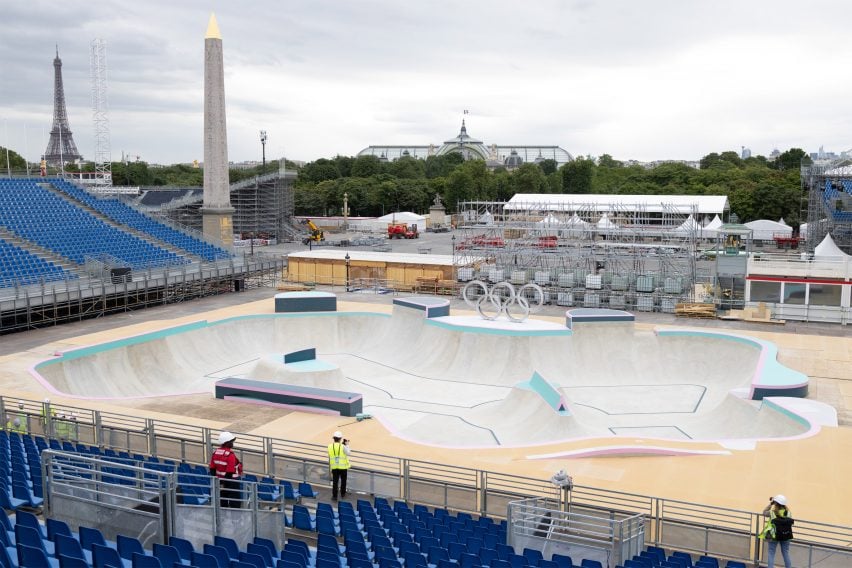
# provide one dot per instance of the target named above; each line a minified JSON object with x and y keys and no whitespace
{"x":216,"y":210}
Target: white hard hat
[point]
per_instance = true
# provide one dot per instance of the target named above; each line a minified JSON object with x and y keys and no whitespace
{"x":225,"y":437}
{"x":780,"y":499}
{"x":337,"y":434}
{"x":47,"y":400}
{"x":20,"y":404}
{"x":17,"y":423}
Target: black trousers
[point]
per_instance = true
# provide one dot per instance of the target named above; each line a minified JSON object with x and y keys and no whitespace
{"x":338,"y":479}
{"x":229,"y":493}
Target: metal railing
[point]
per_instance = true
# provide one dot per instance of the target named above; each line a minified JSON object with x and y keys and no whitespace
{"x":606,"y":536}
{"x":693,"y":527}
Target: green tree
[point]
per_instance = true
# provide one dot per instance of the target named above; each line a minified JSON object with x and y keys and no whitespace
{"x":548,"y":166}
{"x":792,"y":159}
{"x":607,"y":161}
{"x":320,"y":170}
{"x":16,"y":161}
{"x":577,"y":176}
{"x":442,"y":166}
{"x":407,"y":167}
{"x":366,"y":166}
{"x":529,"y":178}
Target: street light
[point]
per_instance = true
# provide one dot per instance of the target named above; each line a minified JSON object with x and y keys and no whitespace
{"x":346,"y":258}
{"x":263,"y":144}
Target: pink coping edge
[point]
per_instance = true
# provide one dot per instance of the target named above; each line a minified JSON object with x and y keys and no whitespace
{"x":621,"y":450}
{"x":311,"y":409}
{"x":52,"y":389}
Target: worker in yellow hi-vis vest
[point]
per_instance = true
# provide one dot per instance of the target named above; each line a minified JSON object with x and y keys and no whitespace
{"x":338,"y":462}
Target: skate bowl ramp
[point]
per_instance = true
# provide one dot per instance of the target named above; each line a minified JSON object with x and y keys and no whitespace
{"x":463,"y":381}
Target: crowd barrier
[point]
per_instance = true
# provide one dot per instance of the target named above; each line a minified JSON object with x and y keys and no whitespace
{"x":693,"y":527}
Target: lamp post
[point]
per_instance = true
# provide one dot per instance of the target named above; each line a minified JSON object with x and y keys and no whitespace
{"x":263,"y":144}
{"x":346,"y":258}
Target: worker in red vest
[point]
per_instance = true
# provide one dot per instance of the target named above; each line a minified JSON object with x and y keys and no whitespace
{"x":226,"y":466}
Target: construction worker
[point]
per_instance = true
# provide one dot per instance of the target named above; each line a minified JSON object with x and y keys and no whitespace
{"x":17,"y":423}
{"x":228,"y":469}
{"x":338,"y":462}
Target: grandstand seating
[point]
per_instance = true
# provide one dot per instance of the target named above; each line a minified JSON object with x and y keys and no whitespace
{"x":123,"y":213}
{"x":831,"y":195}
{"x":38,"y":215}
{"x":19,"y":266}
{"x":377,"y":534}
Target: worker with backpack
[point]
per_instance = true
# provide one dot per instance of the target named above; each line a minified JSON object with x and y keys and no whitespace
{"x":778,"y":529}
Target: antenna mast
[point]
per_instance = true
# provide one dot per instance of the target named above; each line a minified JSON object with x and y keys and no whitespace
{"x":100,"y":113}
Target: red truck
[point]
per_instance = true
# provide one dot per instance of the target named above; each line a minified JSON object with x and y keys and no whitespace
{"x":402,"y":231}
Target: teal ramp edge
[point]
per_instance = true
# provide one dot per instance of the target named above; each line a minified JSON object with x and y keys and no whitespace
{"x":194,"y":326}
{"x":548,"y":392}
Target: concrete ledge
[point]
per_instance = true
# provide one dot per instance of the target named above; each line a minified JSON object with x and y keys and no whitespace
{"x":433,"y":307}
{"x":346,"y":403}
{"x":302,"y":302}
{"x":593,"y":315}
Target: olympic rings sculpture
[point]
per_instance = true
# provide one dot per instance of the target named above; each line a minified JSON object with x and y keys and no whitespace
{"x":502,"y":298}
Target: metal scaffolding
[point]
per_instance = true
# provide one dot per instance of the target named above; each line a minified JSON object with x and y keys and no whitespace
{"x":829,"y":187}
{"x":619,"y":255}
{"x":263,"y":207}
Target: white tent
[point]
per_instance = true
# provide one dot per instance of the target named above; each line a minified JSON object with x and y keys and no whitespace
{"x":803,"y":230}
{"x":605,"y":223}
{"x":765,"y":230}
{"x":689,"y":226}
{"x":551,"y":221}
{"x":401,"y":217}
{"x":714,"y":224}
{"x":829,"y":250}
{"x":486,"y":218}
{"x":783,"y":222}
{"x":712,"y":228}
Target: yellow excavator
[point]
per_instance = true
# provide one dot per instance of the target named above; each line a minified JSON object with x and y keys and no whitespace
{"x":316,"y":233}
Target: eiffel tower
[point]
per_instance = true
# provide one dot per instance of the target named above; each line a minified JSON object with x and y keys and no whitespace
{"x":60,"y":148}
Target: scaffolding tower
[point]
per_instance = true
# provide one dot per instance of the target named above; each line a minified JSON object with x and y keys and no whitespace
{"x":829,"y":187}
{"x":263,"y":207}
{"x":618,"y":255}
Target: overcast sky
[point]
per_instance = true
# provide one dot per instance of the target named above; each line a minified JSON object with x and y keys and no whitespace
{"x":638,"y":79}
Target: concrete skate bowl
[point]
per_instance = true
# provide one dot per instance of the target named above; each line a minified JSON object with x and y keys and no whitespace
{"x":463,"y":382}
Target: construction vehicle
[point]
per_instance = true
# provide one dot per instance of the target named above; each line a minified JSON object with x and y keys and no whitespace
{"x":402,"y":231}
{"x":316,"y":233}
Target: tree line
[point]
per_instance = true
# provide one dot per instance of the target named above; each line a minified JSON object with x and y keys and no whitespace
{"x":757,"y":188}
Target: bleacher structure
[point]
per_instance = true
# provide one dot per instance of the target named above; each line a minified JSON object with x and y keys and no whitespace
{"x":69,"y":254}
{"x":829,"y":187}
{"x":263,"y":206}
{"x":634,"y":259}
{"x":141,"y":486}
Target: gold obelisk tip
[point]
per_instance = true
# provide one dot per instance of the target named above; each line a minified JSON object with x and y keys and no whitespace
{"x":213,"y":29}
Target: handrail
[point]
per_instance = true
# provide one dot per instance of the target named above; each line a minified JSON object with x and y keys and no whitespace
{"x":440,"y":485}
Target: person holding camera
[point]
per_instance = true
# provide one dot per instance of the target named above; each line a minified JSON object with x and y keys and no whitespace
{"x":777,"y":530}
{"x":338,"y":462}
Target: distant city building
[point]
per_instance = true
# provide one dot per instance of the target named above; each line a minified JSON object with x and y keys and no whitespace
{"x":745,"y":154}
{"x":509,"y":156}
{"x":774,"y":153}
{"x":822,"y":155}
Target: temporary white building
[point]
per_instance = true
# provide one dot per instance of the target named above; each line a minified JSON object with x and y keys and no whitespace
{"x":711,"y":229}
{"x":829,"y":250}
{"x":803,"y":230}
{"x":603,"y":203}
{"x":766,"y":230}
{"x":407,"y":217}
